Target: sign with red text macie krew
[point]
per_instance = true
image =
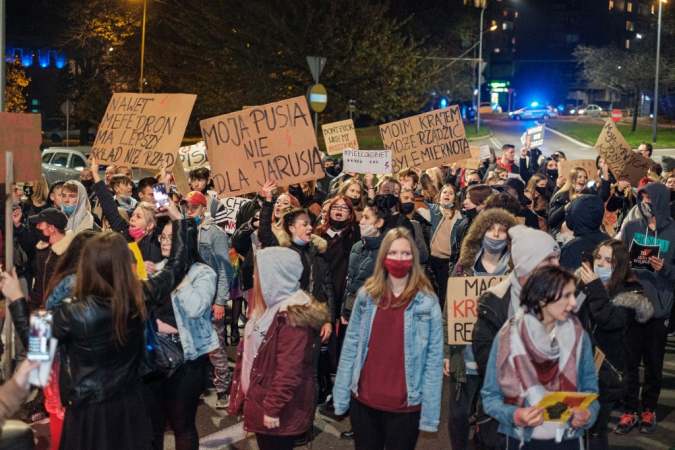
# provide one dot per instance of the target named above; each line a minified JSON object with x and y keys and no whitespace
{"x":427,"y":140}
{"x":462,"y":298}
{"x":274,"y":141}
{"x":143,"y":130}
{"x":21,"y":134}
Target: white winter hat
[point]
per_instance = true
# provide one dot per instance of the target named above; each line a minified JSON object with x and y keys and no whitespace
{"x":529,"y":247}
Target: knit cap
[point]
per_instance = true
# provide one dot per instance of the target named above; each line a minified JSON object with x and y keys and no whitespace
{"x":529,"y":247}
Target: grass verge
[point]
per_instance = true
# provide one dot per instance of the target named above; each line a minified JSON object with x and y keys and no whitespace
{"x":589,"y":132}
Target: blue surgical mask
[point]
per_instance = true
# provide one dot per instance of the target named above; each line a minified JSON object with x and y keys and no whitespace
{"x":451,"y":205}
{"x":494,"y":246}
{"x":68,"y":209}
{"x":299,"y":241}
{"x":602,"y":273}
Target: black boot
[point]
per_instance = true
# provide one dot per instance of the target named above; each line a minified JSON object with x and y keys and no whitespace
{"x":234,"y":322}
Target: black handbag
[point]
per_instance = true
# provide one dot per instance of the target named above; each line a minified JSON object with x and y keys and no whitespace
{"x":161,"y":355}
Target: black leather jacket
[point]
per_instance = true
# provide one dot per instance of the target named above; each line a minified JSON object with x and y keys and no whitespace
{"x":94,"y":366}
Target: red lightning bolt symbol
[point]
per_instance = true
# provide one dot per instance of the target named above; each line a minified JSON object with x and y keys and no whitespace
{"x":288,"y":138}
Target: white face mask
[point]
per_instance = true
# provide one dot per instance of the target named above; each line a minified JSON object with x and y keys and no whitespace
{"x":368,"y":230}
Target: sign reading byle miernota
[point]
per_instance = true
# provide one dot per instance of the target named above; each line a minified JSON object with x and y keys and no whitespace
{"x":426,"y":140}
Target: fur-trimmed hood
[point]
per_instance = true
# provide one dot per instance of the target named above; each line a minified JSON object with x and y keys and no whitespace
{"x":314,"y":315}
{"x":636,"y":301}
{"x":320,"y":243}
{"x":474,"y":237}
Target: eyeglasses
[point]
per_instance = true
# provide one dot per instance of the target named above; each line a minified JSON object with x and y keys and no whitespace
{"x":164,"y":238}
{"x":339,"y":208}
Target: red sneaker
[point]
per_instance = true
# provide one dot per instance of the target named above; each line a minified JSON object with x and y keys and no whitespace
{"x":626,"y":424}
{"x":648,"y":422}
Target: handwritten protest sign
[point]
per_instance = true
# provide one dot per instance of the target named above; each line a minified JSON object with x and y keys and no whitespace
{"x":462,"y":297}
{"x":179,"y":177}
{"x":142,"y":130}
{"x":533,"y":137}
{"x":624,"y":163}
{"x":485,"y":152}
{"x":232,"y":205}
{"x":340,"y":136}
{"x":588,"y":165}
{"x":21,"y":134}
{"x":609,"y":221}
{"x":427,"y":140}
{"x":362,"y":161}
{"x":193,"y":155}
{"x":274,"y":141}
{"x":473,"y":162}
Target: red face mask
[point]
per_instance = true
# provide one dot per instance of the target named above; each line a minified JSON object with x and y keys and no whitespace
{"x":398,"y":268}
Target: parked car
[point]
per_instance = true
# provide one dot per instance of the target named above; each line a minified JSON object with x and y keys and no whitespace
{"x":64,"y":163}
{"x":591,"y":110}
{"x":534,"y":112}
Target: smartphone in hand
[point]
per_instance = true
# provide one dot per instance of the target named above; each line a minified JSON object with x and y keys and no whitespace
{"x":587,"y":258}
{"x":160,"y":196}
{"x":40,"y":336}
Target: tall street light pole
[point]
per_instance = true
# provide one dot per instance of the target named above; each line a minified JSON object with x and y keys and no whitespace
{"x":140,"y":81}
{"x":656,"y":81}
{"x":480,"y":61}
{"x":2,"y":53}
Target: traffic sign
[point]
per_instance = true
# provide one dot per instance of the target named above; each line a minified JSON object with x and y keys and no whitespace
{"x":316,"y":65}
{"x":317,"y":97}
{"x":617,"y":115}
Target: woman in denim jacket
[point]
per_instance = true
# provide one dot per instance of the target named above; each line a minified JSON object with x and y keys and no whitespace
{"x":391,"y":368}
{"x":185,"y":319}
{"x":542,"y":348}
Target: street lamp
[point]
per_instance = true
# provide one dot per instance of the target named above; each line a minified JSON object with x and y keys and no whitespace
{"x":480,"y":60}
{"x":140,"y":81}
{"x":656,"y":82}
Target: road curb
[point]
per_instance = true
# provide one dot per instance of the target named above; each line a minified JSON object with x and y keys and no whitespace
{"x":478,"y":138}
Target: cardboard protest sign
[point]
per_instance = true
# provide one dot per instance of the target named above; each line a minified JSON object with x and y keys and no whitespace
{"x":362,"y":161}
{"x":609,"y":221}
{"x":274,"y":141}
{"x":21,"y":134}
{"x":533,"y":137}
{"x":182,"y":185}
{"x":624,"y":163}
{"x":193,"y":155}
{"x":485,"y":152}
{"x":427,"y":140}
{"x":340,"y":136}
{"x":232,"y":205}
{"x":588,"y":165}
{"x":473,"y":162}
{"x":462,"y":297}
{"x":142,"y":130}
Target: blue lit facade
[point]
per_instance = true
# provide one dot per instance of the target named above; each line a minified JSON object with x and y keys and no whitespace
{"x":42,"y":58}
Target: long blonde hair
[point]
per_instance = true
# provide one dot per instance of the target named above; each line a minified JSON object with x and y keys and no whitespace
{"x":377,"y":286}
{"x":40,"y":190}
{"x":572,"y":178}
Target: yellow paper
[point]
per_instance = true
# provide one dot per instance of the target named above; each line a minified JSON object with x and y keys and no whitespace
{"x":557,"y":404}
{"x":140,"y":266}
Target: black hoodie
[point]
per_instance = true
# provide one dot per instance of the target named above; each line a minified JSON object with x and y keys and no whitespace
{"x":584,"y":217}
{"x":658,"y":285}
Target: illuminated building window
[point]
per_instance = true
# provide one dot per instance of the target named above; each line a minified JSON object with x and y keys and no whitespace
{"x":629,"y":7}
{"x":627,"y":43}
{"x":611,"y":4}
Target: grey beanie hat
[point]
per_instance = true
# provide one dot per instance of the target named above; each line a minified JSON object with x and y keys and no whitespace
{"x":529,"y":247}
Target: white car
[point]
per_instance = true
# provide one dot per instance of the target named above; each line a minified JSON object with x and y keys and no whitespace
{"x":64,"y":163}
{"x":591,"y":110}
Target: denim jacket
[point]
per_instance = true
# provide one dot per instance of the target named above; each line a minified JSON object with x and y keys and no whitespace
{"x":493,"y":398}
{"x":60,"y":292}
{"x":437,"y":217}
{"x":215,"y":249}
{"x":192,"y":301}
{"x":423,"y":355}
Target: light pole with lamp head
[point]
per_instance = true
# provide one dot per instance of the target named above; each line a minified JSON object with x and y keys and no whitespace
{"x":656,"y":80}
{"x":140,"y":80}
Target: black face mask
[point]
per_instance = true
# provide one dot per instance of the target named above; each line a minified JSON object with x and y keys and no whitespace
{"x":391,"y":200}
{"x":87,"y":183}
{"x":541,"y":191}
{"x":42,"y":237}
{"x":349,"y":200}
{"x":407,"y":208}
{"x":552,"y":173}
{"x":338,"y":224}
{"x":471,"y":183}
{"x":471,"y":213}
{"x":330,"y":170}
{"x":28,"y":191}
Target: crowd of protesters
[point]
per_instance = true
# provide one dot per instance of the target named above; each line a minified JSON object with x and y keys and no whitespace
{"x":341,"y":286}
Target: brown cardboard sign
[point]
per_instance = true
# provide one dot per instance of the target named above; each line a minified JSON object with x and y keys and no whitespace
{"x":624,"y":163}
{"x":274,"y":141}
{"x":340,"y":136}
{"x":462,"y":304}
{"x":588,"y":165}
{"x":143,"y":130}
{"x":426,"y":140}
{"x":21,"y":134}
{"x":473,"y":162}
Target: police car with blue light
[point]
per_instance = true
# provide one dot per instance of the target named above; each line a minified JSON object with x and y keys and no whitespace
{"x":534,"y":111}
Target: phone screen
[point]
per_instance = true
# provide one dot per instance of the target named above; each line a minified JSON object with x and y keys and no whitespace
{"x":587,"y":257}
{"x":160,"y":196}
{"x":39,"y":336}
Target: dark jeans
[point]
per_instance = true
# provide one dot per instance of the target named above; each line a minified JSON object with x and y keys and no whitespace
{"x":376,"y":430}
{"x":175,"y":400}
{"x":599,"y":430}
{"x":441,"y":269}
{"x":647,"y":344}
{"x":271,"y":442}
{"x":549,"y":444}
{"x":461,"y":399}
